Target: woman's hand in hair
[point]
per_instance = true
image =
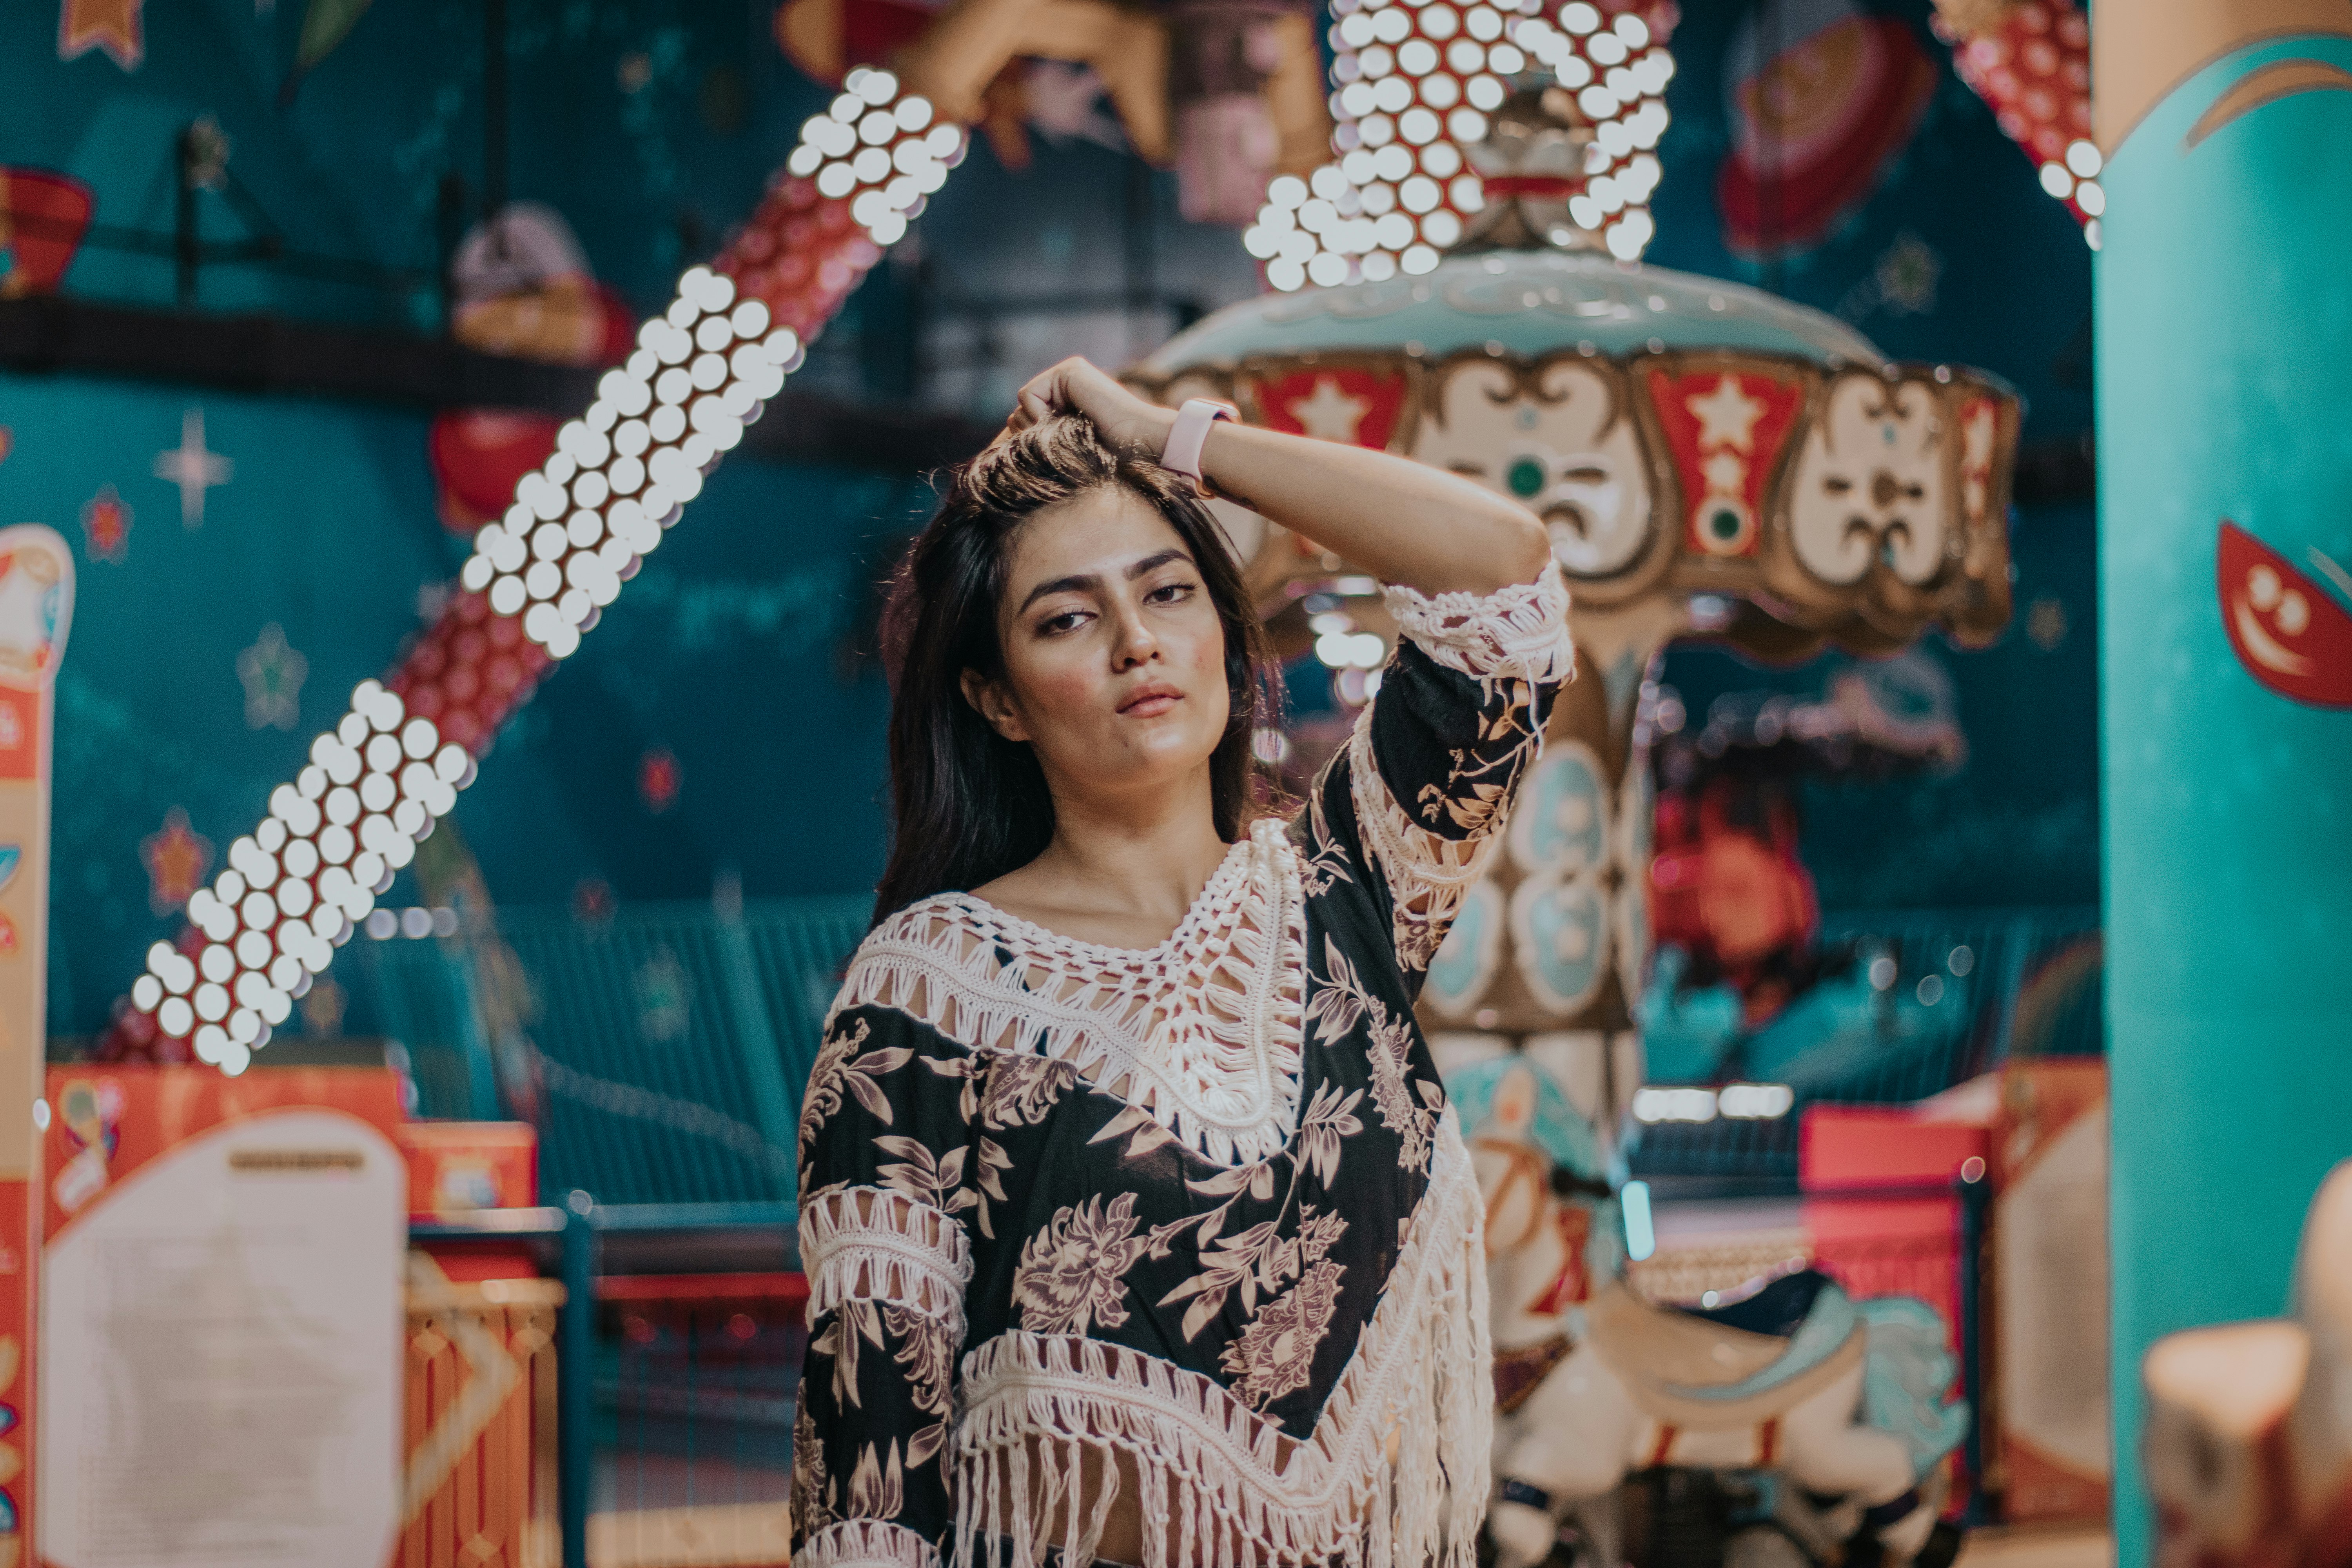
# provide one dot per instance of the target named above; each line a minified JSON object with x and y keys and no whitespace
{"x":1128,"y":424}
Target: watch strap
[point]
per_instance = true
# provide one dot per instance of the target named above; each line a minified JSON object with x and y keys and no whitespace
{"x":1191,"y":432}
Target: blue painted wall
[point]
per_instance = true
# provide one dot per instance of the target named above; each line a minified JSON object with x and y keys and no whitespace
{"x":730,"y":650}
{"x":2226,"y":328}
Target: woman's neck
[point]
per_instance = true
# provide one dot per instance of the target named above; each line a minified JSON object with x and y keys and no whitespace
{"x":1122,"y":871}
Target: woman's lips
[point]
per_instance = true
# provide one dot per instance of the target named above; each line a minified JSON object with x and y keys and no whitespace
{"x":1150,"y":703}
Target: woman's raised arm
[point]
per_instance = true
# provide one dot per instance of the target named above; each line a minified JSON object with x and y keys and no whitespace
{"x":1402,"y":522}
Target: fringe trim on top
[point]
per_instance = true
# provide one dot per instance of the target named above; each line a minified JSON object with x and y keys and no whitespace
{"x":1202,"y":1032}
{"x":1519,"y":631}
{"x":1396,"y":1474}
{"x":903,"y":1253}
{"x":866,"y":1543}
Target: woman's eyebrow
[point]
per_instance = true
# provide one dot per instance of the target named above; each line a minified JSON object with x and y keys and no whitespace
{"x":1082,"y":580}
{"x":1153,"y":562}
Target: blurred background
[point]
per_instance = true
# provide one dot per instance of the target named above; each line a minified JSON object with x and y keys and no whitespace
{"x":293,"y":294}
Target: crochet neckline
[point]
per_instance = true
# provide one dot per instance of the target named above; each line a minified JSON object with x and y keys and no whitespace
{"x":1203,"y":1032}
{"x":1210,"y":900}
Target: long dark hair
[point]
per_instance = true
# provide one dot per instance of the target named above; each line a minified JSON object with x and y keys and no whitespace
{"x":969,"y":805}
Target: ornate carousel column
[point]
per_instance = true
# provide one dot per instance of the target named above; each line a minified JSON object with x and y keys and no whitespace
{"x":2225,"y":541}
{"x":1711,"y":460}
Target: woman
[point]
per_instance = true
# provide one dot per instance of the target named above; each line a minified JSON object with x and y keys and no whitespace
{"x":1135,"y":1222}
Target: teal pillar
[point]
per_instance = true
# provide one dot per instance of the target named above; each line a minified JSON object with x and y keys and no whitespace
{"x":2225,"y":398}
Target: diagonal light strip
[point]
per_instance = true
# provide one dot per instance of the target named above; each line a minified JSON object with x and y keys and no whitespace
{"x":298,"y":886}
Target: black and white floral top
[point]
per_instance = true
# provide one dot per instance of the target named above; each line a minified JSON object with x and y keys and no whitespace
{"x":1197,"y":1218}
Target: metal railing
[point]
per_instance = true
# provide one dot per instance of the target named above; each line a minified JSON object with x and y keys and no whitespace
{"x":751,"y":1257}
{"x":672,"y":1041}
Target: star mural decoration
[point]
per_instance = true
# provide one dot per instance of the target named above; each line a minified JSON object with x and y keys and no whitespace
{"x":272,"y":673}
{"x":323,"y":1010}
{"x":1728,"y":415}
{"x":658,"y":778}
{"x":1328,"y":414}
{"x":192,"y":468}
{"x":118,"y":26}
{"x":106,"y":526}
{"x":176,"y":860}
{"x":592,"y":901}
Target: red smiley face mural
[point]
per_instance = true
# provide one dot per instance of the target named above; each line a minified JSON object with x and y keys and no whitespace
{"x":2291,"y":634}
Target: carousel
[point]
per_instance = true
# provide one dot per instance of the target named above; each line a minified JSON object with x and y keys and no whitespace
{"x":1712,"y":462}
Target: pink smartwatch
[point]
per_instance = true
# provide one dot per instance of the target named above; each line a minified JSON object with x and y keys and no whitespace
{"x":1185,"y":438}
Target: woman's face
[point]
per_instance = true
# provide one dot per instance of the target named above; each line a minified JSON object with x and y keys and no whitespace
{"x":1114,"y":656}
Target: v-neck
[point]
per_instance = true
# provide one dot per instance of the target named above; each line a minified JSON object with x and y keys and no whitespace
{"x":1233,"y":867}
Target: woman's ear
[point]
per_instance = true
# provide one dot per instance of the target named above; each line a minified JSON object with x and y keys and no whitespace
{"x":992,"y":702}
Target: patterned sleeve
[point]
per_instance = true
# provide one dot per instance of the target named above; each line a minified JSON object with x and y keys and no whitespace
{"x":884,"y":1189}
{"x":1420,"y":793}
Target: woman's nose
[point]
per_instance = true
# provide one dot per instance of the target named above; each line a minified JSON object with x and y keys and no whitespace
{"x":1135,"y":644}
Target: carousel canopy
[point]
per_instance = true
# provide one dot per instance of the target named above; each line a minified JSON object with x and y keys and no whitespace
{"x":1687,"y":440}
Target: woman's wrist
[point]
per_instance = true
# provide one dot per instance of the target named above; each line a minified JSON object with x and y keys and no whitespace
{"x":1156,"y":424}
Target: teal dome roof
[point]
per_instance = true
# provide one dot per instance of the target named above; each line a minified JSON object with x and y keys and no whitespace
{"x":1529,"y":303}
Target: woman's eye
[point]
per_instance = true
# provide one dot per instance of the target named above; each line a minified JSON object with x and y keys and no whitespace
{"x":1067,"y":621}
{"x":1168,"y":592}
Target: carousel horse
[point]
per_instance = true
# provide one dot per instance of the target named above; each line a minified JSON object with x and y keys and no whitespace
{"x":1551,"y":1230}
{"x":1813,"y":1395}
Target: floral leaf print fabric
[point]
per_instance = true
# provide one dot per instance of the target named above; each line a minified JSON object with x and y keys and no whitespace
{"x":839,"y":1066}
{"x":1074,"y":1272}
{"x":1273,"y":1354}
{"x":1201,"y":1206}
{"x":1432,"y":765}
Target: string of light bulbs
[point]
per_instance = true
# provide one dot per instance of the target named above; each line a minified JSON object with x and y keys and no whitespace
{"x":2030,"y":62}
{"x":1414,"y":82}
{"x":701,"y":372}
{"x":308,"y":875}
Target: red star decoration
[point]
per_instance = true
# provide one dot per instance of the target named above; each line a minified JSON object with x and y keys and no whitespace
{"x":657,"y":780}
{"x":106,"y":525}
{"x":592,"y":901}
{"x":176,"y":860}
{"x":114,"y":25}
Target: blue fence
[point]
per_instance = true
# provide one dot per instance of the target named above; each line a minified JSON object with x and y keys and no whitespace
{"x":672,"y":1043}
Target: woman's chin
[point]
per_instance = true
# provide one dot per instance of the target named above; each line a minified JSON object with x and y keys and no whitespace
{"x":1143,"y":756}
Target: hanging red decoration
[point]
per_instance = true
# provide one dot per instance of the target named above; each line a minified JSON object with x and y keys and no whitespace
{"x":43,"y":217}
{"x":657,"y":780}
{"x":479,"y":455}
{"x":1815,"y":121}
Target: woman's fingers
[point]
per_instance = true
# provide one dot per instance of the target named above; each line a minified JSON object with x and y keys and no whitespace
{"x":1039,"y":396}
{"x":1127,"y":422}
{"x":1055,"y":388}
